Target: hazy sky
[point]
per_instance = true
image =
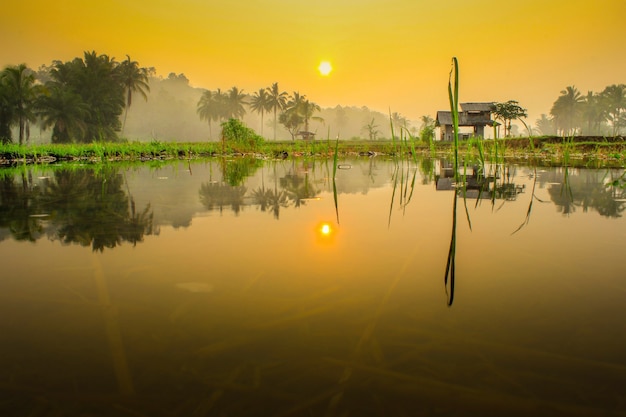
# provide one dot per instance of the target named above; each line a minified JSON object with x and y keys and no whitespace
{"x":385,"y":53}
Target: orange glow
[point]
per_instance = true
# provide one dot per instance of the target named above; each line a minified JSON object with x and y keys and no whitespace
{"x":268,"y":42}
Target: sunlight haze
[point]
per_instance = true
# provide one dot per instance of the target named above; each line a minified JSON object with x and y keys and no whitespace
{"x":391,"y":54}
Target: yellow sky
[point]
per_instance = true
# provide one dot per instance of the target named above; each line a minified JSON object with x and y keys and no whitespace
{"x":385,"y":53}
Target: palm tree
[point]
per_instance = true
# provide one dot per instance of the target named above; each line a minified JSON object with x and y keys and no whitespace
{"x":134,"y":79}
{"x":208,"y":108}
{"x":592,"y":113}
{"x":64,"y":111}
{"x":235,"y":100}
{"x":545,"y":125}
{"x":308,"y":109}
{"x":398,"y":120}
{"x":614,"y":99}
{"x":260,"y":103}
{"x":566,"y":110}
{"x":21,"y":91}
{"x":277,"y":101}
{"x":6,"y":114}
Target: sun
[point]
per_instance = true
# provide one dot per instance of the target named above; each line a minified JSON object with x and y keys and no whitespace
{"x":325,"y":68}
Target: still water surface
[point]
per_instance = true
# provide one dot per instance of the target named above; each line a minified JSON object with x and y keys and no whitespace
{"x":237,"y":288}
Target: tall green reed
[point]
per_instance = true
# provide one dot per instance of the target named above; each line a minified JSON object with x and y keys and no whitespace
{"x":453,"y":96}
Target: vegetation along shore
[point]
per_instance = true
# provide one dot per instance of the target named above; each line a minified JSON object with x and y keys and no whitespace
{"x":577,"y":150}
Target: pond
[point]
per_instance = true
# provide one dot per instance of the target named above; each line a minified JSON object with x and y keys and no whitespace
{"x":248,"y":287}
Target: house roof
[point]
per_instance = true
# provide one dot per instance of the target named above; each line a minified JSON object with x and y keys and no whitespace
{"x":477,"y":106}
{"x":445,"y":118}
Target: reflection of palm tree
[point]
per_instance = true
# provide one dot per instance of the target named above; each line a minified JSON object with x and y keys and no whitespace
{"x":277,"y":200}
{"x":92,"y":209}
{"x":298,"y":189}
{"x":219,"y":196}
{"x":18,"y":204}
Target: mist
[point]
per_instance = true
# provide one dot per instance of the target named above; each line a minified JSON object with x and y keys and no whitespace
{"x":169,"y":115}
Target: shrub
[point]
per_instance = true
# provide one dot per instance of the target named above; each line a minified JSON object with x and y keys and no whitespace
{"x":235,"y":132}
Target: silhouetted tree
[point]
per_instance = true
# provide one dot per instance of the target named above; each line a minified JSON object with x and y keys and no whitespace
{"x":545,"y":125}
{"x":371,"y":130}
{"x":614,"y":100}
{"x":260,"y":103}
{"x":20,"y":94}
{"x":566,"y":110}
{"x":134,"y":79}
{"x":277,"y":101}
{"x":209,"y":108}
{"x":507,"y":112}
{"x":234,"y":104}
{"x":64,"y":111}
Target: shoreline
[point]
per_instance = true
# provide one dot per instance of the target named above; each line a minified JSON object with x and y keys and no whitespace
{"x":579,"y":150}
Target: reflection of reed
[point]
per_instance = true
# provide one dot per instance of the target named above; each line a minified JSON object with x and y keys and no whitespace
{"x":530,"y":205}
{"x":334,"y":176}
{"x":451,"y":262}
{"x":113,"y":333}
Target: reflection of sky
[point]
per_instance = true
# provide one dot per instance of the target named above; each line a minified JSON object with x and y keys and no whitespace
{"x":545,"y":300}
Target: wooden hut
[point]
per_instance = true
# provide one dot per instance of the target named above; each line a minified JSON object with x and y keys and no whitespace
{"x":475,"y":115}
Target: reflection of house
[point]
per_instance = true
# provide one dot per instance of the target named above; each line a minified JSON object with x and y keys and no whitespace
{"x":476,"y":115}
{"x":476,"y":184}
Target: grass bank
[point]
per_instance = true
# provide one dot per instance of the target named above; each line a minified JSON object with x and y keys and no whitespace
{"x":582,"y":150}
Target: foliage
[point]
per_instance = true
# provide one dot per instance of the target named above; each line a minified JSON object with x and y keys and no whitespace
{"x":277,"y":101}
{"x":18,"y":93}
{"x":371,"y":130}
{"x":135,"y":80}
{"x":237,"y":133}
{"x":507,"y":112}
{"x":297,"y":113}
{"x":260,"y":103}
{"x":566,"y":110}
{"x":427,"y":129}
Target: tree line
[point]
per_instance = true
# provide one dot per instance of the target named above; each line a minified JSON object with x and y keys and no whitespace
{"x":81,"y":100}
{"x":294,"y":111}
{"x":593,"y":114}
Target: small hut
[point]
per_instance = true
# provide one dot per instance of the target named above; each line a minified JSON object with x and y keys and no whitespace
{"x":475,"y":115}
{"x":306,"y":135}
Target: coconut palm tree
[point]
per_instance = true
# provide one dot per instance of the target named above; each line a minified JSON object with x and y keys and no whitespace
{"x":64,"y":111}
{"x":277,"y":101}
{"x":260,"y":103}
{"x":592,"y":113}
{"x":545,"y":125}
{"x":235,"y":101}
{"x":566,"y":110}
{"x":134,"y":79}
{"x":308,"y":109}
{"x":6,"y":114}
{"x":21,"y":91}
{"x":208,"y":108}
{"x":614,"y":100}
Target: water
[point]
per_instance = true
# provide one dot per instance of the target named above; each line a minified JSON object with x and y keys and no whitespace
{"x":237,"y":288}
